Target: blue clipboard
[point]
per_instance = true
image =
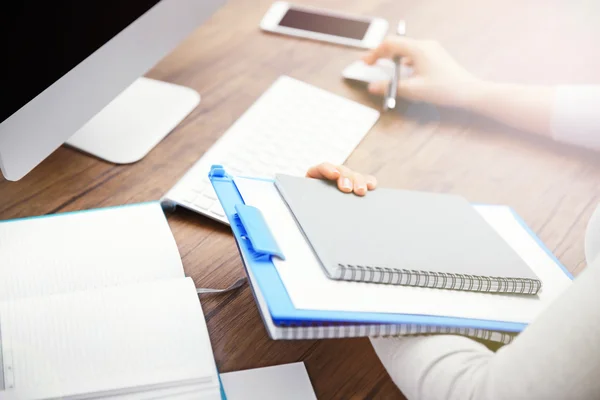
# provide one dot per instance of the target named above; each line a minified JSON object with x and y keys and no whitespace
{"x":255,"y":241}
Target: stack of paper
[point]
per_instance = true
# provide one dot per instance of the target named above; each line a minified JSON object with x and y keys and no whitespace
{"x":298,"y":300}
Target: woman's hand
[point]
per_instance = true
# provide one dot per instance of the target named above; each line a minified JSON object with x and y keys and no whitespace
{"x":348,"y":181}
{"x":437,"y":78}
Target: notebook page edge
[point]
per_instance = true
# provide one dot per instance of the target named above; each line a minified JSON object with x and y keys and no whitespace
{"x":330,"y":269}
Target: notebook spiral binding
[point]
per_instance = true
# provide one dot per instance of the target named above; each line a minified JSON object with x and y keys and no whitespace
{"x":333,"y":331}
{"x":393,"y":276}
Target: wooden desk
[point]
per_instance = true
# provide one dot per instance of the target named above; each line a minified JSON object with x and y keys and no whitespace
{"x":230,"y":62}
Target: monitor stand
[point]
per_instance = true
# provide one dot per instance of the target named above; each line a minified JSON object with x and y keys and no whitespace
{"x":135,"y":121}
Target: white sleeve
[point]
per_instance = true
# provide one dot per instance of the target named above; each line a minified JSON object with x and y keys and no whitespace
{"x":576,"y":115}
{"x":592,"y":237}
{"x":555,"y":357}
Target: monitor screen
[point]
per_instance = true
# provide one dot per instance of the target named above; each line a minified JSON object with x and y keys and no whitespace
{"x":42,"y":41}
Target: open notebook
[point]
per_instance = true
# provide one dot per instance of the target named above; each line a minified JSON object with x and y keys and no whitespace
{"x":96,"y":304}
{"x":298,"y":301}
{"x":404,"y":237}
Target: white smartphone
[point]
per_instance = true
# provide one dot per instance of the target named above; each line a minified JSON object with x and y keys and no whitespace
{"x":324,"y":25}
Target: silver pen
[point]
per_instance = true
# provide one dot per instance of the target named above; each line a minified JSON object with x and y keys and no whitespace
{"x":390,"y":98}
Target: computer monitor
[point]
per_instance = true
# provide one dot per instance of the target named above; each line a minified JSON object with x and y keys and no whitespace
{"x":72,"y":72}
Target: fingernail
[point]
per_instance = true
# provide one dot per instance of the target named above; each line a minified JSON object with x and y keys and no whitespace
{"x":372,"y":87}
{"x":346,"y":184}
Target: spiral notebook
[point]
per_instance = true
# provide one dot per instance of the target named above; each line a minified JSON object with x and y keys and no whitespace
{"x":404,"y":237}
{"x":298,"y":301}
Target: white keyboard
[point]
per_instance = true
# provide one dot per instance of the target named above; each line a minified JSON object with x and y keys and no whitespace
{"x":290,"y":128}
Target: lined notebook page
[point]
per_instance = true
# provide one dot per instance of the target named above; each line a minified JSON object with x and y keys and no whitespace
{"x":106,"y":340}
{"x":86,"y":250}
{"x":310,"y":289}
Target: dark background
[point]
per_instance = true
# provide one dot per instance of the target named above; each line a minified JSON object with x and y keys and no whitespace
{"x":42,"y":41}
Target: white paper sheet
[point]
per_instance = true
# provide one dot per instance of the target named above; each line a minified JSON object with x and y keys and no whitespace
{"x":86,"y":250}
{"x":288,"y":381}
{"x":108,"y":340}
{"x":310,"y":289}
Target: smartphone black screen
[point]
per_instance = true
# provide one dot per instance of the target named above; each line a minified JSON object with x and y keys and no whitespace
{"x":308,"y":21}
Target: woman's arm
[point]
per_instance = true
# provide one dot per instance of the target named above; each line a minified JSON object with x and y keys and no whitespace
{"x":527,"y":108}
{"x":568,"y":114}
{"x":556,"y":357}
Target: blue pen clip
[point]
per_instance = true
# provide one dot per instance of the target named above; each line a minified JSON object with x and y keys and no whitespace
{"x":255,"y":230}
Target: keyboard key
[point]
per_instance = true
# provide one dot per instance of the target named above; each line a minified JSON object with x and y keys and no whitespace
{"x":190,"y":197}
{"x":203,"y":203}
{"x":199,"y":189}
{"x":209,"y":192}
{"x":217,"y":210}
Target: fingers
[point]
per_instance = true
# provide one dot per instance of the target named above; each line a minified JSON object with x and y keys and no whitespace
{"x":392,"y":46}
{"x":324,"y":171}
{"x":410,"y":88}
{"x":351,"y":181}
{"x":371,"y":182}
{"x":360,"y":184}
{"x":347,"y":180}
{"x":328,"y":171}
{"x":364,"y":183}
{"x":378,"y":88}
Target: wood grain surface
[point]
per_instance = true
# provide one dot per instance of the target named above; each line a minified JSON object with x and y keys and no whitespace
{"x":230,"y":62}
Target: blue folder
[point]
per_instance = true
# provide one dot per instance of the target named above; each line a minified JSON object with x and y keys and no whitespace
{"x":255,"y":241}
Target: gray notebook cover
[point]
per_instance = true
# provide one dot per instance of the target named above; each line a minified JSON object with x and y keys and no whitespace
{"x":398,"y":229}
